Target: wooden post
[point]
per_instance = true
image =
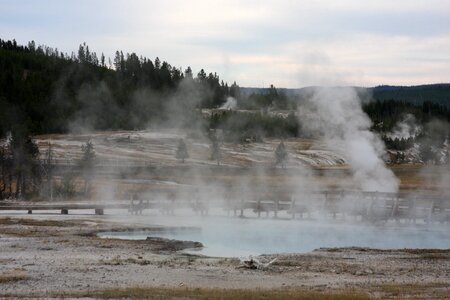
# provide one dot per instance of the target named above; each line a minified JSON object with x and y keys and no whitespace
{"x":196,"y":206}
{"x":173,"y":207}
{"x":293,"y":207}
{"x":258,"y":207}
{"x":395,"y":205}
{"x":276,"y":209}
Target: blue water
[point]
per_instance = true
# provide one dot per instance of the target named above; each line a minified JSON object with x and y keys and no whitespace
{"x":242,"y":237}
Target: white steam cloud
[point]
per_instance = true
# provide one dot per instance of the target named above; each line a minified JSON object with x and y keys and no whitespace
{"x":405,"y":128}
{"x":230,"y":104}
{"x":337,"y":116}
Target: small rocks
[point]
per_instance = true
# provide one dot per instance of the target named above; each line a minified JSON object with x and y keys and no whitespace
{"x":363,"y":272}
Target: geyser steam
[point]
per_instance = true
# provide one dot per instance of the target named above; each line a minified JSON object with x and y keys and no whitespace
{"x":230,"y":104}
{"x":337,"y":116}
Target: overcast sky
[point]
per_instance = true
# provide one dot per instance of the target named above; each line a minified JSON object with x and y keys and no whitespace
{"x":257,"y":43}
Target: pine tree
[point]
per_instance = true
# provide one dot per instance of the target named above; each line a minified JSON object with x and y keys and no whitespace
{"x":188,"y":73}
{"x":47,"y":170}
{"x":181,"y":152}
{"x":281,"y":155}
{"x":25,"y":155}
{"x":86,"y":165}
{"x":215,"y":149}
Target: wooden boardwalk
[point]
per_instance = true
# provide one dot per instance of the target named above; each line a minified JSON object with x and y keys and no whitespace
{"x":371,"y":206}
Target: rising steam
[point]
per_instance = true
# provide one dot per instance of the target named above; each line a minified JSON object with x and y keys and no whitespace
{"x":230,"y":104}
{"x":405,"y":128}
{"x":336,"y":115}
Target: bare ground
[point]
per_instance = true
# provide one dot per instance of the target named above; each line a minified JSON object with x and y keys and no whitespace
{"x":251,"y":163}
{"x":44,"y":257}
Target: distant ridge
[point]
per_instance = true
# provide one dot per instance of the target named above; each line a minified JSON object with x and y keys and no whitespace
{"x":417,"y":94}
{"x":437,"y":93}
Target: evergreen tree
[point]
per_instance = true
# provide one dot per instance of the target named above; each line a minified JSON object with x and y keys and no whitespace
{"x":47,"y":170}
{"x":86,"y":164}
{"x":181,"y":152}
{"x":102,"y":60}
{"x":235,"y":91}
{"x":66,"y":188}
{"x":25,"y":159}
{"x":426,"y":152}
{"x":281,"y":155}
{"x":215,"y":149}
{"x":188,"y":73}
{"x":6,"y":172}
{"x":201,"y":76}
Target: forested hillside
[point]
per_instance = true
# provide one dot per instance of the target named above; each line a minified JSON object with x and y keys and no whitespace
{"x":435,"y":93}
{"x":43,"y":90}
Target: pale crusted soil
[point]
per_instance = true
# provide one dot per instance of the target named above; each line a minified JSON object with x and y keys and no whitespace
{"x":48,"y":258}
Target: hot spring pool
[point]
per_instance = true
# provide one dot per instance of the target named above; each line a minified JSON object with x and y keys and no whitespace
{"x":243,"y":237}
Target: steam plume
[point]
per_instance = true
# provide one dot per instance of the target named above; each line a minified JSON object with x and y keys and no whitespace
{"x":231,"y":104}
{"x":337,"y":116}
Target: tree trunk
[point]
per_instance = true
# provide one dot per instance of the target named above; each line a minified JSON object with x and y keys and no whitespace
{"x":85,"y":187}
{"x":10,"y":184}
{"x":18,"y":180}
{"x":24,"y":186}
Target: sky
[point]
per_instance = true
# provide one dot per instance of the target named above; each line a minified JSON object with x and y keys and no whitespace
{"x":286,"y":43}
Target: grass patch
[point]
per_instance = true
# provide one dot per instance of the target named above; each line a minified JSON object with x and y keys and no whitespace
{"x":425,"y":251}
{"x":370,"y":250}
{"x":435,"y":256}
{"x":434,"y":290}
{"x":207,"y":293}
{"x":115,"y":261}
{"x":13,"y":276}
{"x":33,"y":222}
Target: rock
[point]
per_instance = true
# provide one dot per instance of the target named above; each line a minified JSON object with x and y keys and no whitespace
{"x":173,"y":245}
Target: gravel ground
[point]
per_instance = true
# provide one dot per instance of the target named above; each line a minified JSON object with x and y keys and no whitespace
{"x":43,"y":256}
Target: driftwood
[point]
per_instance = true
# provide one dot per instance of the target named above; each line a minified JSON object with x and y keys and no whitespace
{"x":254,"y":264}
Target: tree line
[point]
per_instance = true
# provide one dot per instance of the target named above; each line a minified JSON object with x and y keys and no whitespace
{"x":43,"y":90}
{"x":386,"y":113}
{"x":26,"y":174}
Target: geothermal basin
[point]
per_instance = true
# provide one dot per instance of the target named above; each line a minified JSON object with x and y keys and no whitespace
{"x":237,"y":237}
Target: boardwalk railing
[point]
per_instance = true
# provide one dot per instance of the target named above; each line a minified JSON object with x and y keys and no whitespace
{"x":371,"y":206}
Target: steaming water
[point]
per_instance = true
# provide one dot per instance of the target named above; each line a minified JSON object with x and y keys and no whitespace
{"x":231,"y":237}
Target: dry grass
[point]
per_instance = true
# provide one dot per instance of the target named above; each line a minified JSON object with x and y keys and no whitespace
{"x":419,"y":251}
{"x":206,"y":293}
{"x":13,"y":276}
{"x":423,"y":251}
{"x":33,"y":222}
{"x":115,"y":261}
{"x":432,"y":290}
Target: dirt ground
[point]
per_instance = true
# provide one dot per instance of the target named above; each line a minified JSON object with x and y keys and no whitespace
{"x":149,"y":156}
{"x":43,"y":256}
